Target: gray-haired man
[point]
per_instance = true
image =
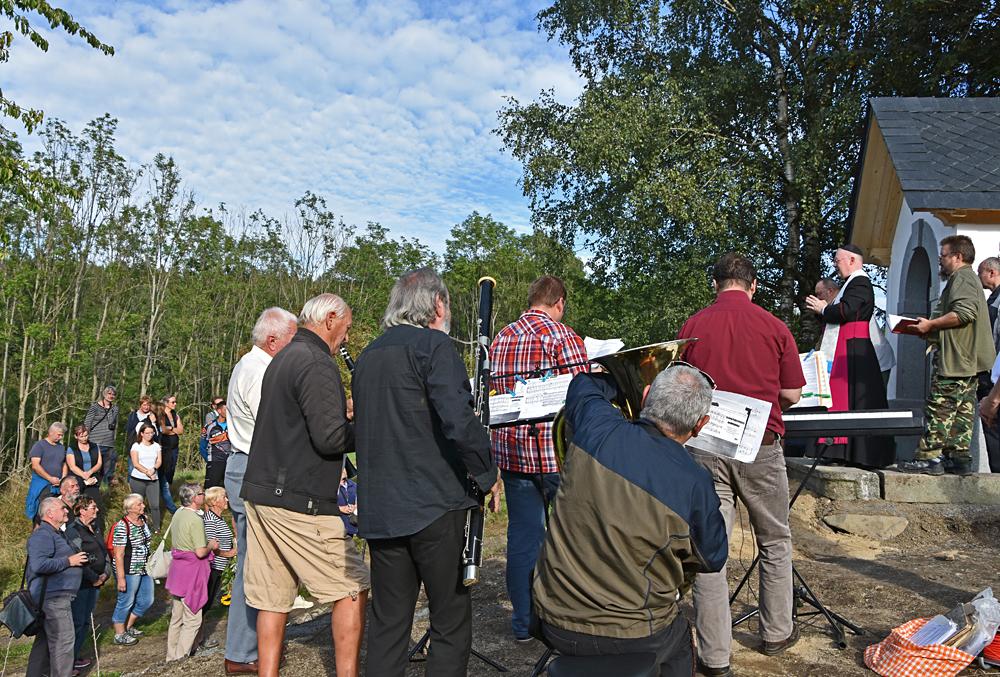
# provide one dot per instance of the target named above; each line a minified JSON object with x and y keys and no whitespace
{"x":664,"y":525}
{"x":272,"y":332}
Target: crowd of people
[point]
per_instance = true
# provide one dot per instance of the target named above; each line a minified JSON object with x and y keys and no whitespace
{"x":581,"y":578}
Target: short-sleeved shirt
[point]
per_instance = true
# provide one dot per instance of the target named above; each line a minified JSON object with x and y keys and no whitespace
{"x":217,"y":528}
{"x":139,"y":537}
{"x":147,"y":459}
{"x":187,"y":530}
{"x":746,"y":350}
{"x":52,"y":456}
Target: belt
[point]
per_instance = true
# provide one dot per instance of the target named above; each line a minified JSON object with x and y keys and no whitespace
{"x":770,"y":437}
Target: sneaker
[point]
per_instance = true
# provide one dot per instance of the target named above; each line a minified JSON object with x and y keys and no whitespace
{"x":209,"y":643}
{"x":302,"y":603}
{"x":527,"y":639}
{"x":919,"y":467}
{"x":774,"y":648}
{"x":125,"y":639}
{"x":81,"y":663}
{"x":961,"y":467}
{"x":135,"y":632}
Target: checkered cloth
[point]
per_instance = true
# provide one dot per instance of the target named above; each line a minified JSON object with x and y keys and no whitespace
{"x":897,"y":656}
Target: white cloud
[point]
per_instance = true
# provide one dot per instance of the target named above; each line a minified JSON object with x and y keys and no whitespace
{"x":386,"y":109}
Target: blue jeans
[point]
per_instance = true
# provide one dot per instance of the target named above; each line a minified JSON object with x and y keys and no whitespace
{"x":525,"y":533}
{"x":110,"y":459}
{"x":83,"y":606}
{"x":168,"y":499}
{"x":241,"y":628}
{"x":136,"y":599}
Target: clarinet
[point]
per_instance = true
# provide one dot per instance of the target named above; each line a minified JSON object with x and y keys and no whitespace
{"x":475,"y":518}
{"x":347,"y":359}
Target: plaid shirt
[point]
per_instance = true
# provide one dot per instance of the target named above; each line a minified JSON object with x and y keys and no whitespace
{"x":533,"y":341}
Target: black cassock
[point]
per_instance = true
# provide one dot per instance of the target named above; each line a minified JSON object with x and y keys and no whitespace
{"x":855,"y":379}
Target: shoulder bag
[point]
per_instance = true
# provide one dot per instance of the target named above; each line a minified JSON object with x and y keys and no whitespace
{"x":21,"y":614}
{"x":158,"y":565}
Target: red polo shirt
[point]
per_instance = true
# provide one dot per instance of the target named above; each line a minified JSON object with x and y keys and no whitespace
{"x":745,"y":349}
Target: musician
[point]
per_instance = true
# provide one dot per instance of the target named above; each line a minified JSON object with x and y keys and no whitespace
{"x":747,"y":351}
{"x":855,"y":379}
{"x":634,"y":520}
{"x":294,"y":531}
{"x":960,"y":331}
{"x":538,"y":340}
{"x":418,"y":443}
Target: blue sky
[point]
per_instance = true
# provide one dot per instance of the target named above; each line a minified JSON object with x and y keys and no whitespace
{"x":385,"y":109}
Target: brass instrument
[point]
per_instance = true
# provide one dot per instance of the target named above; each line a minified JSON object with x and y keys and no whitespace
{"x":633,"y":371}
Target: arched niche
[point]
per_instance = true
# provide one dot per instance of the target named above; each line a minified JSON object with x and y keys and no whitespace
{"x":912,"y":365}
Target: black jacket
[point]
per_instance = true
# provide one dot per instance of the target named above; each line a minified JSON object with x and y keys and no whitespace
{"x":91,"y":543}
{"x":418,"y":438}
{"x":301,"y":432}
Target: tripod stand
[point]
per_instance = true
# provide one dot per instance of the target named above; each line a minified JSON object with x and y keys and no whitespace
{"x":802,"y":592}
{"x":421,"y":648}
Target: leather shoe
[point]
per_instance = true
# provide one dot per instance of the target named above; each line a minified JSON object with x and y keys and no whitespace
{"x":234,"y":668}
{"x":774,"y":648}
{"x":703,"y":669}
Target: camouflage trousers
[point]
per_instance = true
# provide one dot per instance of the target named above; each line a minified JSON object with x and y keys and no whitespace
{"x":949,"y":418}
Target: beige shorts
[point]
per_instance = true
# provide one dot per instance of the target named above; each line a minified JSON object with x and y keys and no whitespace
{"x":285,"y":548}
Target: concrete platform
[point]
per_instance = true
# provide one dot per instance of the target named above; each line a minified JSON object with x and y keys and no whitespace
{"x":853,"y":484}
{"x":835,"y":482}
{"x":978,"y":489}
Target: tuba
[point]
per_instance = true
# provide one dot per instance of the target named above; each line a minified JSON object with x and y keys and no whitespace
{"x":633,"y":371}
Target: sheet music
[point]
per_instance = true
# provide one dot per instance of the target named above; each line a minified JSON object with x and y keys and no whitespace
{"x":601,"y":347}
{"x":735,"y":427}
{"x":532,"y":398}
{"x":816,"y":369}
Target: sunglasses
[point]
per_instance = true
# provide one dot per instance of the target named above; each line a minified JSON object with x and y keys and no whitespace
{"x":682,"y":363}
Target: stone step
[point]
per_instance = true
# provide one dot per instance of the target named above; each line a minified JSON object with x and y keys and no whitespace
{"x":977,"y":489}
{"x":854,"y":484}
{"x":835,"y":482}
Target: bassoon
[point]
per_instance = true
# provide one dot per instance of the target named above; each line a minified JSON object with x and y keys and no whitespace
{"x":475,"y":518}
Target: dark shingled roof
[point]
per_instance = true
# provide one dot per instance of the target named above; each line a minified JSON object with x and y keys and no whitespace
{"x":946,"y":152}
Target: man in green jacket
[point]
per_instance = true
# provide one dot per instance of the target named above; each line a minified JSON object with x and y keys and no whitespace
{"x":960,"y":332}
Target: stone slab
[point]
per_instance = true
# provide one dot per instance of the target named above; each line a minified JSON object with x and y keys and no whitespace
{"x":879,"y":527}
{"x":835,"y":482}
{"x":978,"y":489}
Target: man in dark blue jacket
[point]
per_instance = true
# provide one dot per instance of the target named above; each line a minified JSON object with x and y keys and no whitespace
{"x":633,"y":521}
{"x":54,"y":577}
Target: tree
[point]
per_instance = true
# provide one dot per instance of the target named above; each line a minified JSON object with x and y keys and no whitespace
{"x":17,"y":12}
{"x":772,"y":97}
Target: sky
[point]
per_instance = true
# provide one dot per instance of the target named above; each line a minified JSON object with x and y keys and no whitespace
{"x":385,"y":109}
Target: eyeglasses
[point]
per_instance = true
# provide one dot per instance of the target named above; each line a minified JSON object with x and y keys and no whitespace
{"x":200,"y":493}
{"x":682,"y":363}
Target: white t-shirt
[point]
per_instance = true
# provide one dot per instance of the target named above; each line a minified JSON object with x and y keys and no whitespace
{"x":146,"y":454}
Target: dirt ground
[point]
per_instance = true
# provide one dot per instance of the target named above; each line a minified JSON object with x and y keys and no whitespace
{"x":945,"y":555}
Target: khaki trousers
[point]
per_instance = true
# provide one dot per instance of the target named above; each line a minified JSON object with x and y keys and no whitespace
{"x":762,"y":486}
{"x":183,"y":630}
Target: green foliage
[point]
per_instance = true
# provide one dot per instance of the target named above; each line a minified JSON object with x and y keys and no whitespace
{"x":17,"y":12}
{"x":707,"y":126}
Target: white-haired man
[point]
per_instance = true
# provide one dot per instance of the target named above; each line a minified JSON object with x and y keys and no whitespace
{"x":273,"y":330}
{"x":294,"y":531}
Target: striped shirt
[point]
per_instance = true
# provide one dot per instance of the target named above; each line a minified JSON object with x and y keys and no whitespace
{"x":101,"y":424}
{"x":217,"y":528}
{"x":139,"y":537}
{"x":533,"y":341}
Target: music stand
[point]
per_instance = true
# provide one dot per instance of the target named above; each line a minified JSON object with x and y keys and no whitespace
{"x":802,"y":592}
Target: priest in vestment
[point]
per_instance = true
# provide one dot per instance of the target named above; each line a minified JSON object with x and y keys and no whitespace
{"x":855,"y":378}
